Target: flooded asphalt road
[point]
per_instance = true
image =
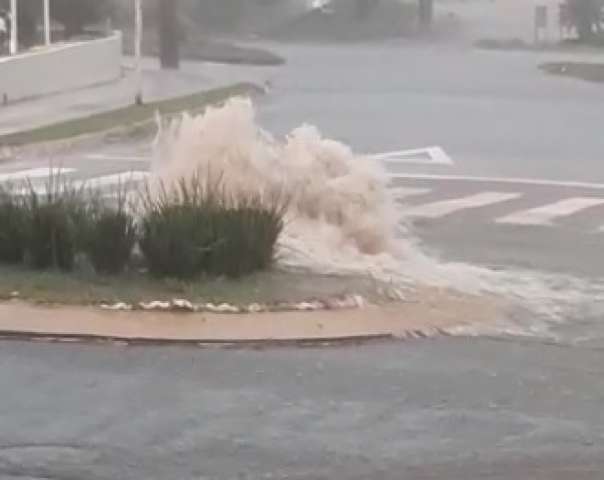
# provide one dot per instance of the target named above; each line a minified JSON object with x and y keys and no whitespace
{"x":494,"y":112}
{"x":447,"y":409}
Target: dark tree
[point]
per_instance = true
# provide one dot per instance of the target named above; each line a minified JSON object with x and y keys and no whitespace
{"x":29,"y":11}
{"x":169,"y":34}
{"x":426,"y":12}
{"x":223,"y":14}
{"x":586,"y":15}
{"x":364,"y":8}
{"x":74,"y":15}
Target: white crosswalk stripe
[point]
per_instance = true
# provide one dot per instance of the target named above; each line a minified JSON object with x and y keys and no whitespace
{"x":400,"y":193}
{"x":34,"y":174}
{"x":447,"y":207}
{"x":546,"y":214}
{"x":540,"y":215}
{"x":125,"y":158}
{"x":119,"y":179}
{"x":40,"y":178}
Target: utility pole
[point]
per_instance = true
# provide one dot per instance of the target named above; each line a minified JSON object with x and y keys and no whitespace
{"x":47,"y":38}
{"x":138,"y":40}
{"x":169,"y":34}
{"x":426,"y":13}
{"x":14,"y":38}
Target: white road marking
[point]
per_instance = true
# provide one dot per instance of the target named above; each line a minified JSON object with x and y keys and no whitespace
{"x":399,"y":193}
{"x":34,"y":173}
{"x":513,"y":180}
{"x":446,"y":207}
{"x":546,"y":214}
{"x":422,"y":156}
{"x":128,"y":158}
{"x":124,"y":178}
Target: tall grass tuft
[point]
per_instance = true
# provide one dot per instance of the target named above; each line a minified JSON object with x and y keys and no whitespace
{"x":245,"y":238}
{"x":109,"y":234}
{"x":56,"y":216}
{"x":13,"y":226}
{"x":195,"y":228}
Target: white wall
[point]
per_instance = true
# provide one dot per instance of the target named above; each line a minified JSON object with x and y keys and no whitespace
{"x":501,"y":19}
{"x":60,"y":68}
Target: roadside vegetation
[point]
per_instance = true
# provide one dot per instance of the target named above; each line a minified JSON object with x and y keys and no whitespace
{"x":190,"y":230}
{"x":195,"y":228}
{"x":134,"y":117}
{"x":590,"y":72}
{"x":66,"y":245}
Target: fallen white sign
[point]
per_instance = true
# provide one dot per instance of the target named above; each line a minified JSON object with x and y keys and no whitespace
{"x":421,"y":156}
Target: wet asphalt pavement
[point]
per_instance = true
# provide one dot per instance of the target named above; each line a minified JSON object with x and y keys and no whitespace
{"x":442,"y":409}
{"x":450,"y":409}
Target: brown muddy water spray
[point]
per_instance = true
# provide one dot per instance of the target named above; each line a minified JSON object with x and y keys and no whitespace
{"x":342,"y":216}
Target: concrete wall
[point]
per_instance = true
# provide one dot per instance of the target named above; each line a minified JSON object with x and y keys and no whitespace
{"x":60,"y":68}
{"x":501,"y":19}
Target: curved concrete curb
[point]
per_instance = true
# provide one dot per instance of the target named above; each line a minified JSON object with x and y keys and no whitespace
{"x":428,"y":314}
{"x":344,"y":302}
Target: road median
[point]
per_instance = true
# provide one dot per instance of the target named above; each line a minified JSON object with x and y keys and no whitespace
{"x":115,"y":124}
{"x":424,"y":313}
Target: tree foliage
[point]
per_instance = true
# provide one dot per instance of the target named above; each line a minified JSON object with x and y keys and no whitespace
{"x":28,"y":13}
{"x":426,"y":12}
{"x":74,"y":15}
{"x":221,"y":13}
{"x":169,"y":34}
{"x":587,"y":17}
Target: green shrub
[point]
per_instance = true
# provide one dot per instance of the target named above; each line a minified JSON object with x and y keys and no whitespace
{"x":52,"y":239}
{"x":109,"y":237}
{"x":245,"y":239}
{"x":55,"y":224}
{"x":196,"y":228}
{"x":175,"y":240}
{"x":13,"y":227}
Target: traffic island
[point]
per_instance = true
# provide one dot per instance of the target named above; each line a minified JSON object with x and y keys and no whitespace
{"x":424,"y":313}
{"x":199,"y":252}
{"x":589,"y":72}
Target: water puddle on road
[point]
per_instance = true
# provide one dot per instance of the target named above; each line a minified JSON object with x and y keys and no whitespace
{"x":342,"y":217}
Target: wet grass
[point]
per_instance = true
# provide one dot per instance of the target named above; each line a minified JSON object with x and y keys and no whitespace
{"x":132,"y":116}
{"x":590,"y":72}
{"x":505,"y":44}
{"x":196,"y":227}
{"x":199,"y":47}
{"x":80,"y":249}
{"x":84,"y":287}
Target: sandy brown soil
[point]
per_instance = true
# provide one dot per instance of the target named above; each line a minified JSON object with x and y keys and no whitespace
{"x":427,"y":312}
